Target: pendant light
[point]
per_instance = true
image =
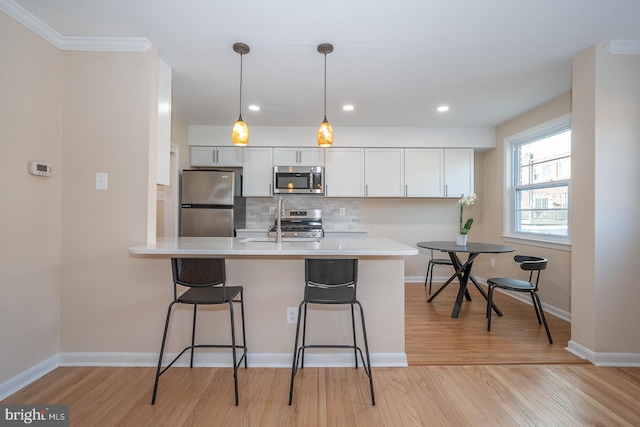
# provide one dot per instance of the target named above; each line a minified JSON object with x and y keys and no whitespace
{"x":325,"y":132}
{"x":240,"y":131}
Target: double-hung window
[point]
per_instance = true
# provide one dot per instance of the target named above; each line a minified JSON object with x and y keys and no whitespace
{"x":538,"y":182}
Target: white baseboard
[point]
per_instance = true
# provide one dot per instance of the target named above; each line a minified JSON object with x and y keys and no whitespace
{"x":222,"y":360}
{"x":604,"y":359}
{"x":27,"y":377}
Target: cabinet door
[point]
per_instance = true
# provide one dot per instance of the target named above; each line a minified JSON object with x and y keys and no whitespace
{"x":458,"y":172}
{"x":344,"y":172}
{"x":229,"y":156}
{"x":311,"y":156}
{"x":424,"y":172}
{"x":257,"y":175}
{"x":202,"y":156}
{"x":294,"y":156}
{"x":285,"y":156}
{"x":384,"y":172}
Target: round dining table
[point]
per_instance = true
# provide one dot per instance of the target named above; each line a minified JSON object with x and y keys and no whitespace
{"x":463,"y":269}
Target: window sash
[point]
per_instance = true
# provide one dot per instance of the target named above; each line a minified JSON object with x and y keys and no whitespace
{"x":559,"y":177}
{"x":531,"y":219}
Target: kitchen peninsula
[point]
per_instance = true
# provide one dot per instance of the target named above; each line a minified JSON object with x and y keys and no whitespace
{"x":273,"y":278}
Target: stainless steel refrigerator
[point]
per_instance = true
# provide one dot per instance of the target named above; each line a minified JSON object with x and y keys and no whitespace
{"x":211,"y":203}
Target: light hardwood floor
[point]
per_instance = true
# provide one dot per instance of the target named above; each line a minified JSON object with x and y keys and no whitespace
{"x":459,"y":375}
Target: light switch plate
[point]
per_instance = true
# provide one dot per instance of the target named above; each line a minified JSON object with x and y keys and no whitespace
{"x":101,"y":181}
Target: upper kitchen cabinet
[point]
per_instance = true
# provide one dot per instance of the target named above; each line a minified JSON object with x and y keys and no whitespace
{"x":294,"y":156}
{"x":216,"y":156}
{"x":257,"y":172}
{"x":384,"y":172}
{"x":458,"y":172}
{"x":344,"y":172}
{"x":164,"y":123}
{"x":424,"y":172}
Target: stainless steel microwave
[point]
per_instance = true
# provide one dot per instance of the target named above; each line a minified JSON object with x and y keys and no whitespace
{"x":298,"y":180}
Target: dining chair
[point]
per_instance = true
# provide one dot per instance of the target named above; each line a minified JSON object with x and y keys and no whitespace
{"x":205,"y":279}
{"x":430,"y":266}
{"x":331,"y":281}
{"x":534,"y":265}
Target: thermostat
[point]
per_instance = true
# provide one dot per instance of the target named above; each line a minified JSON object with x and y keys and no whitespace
{"x":40,"y":169}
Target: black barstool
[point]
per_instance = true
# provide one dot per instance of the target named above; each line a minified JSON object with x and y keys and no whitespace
{"x":330,"y":281}
{"x":206,"y":280}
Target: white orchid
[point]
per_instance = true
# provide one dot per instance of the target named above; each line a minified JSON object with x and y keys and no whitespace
{"x":466,"y":201}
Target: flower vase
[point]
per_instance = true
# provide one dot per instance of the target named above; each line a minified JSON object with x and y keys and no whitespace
{"x":461,"y":239}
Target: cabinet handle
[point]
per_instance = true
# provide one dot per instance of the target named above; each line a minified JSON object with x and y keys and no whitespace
{"x":366,"y":190}
{"x":270,"y":192}
{"x":446,"y":191}
{"x":406,"y":190}
{"x":217,"y":156}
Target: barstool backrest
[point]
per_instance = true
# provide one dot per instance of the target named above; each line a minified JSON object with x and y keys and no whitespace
{"x":333,"y":276}
{"x":198,"y":272}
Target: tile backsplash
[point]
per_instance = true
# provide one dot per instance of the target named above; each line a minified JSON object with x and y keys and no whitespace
{"x":258,"y":215}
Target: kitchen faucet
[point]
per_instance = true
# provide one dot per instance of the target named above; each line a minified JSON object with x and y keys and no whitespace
{"x":279,"y":221}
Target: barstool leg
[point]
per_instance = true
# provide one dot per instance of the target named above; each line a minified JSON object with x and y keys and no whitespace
{"x":164,"y":340}
{"x":193,"y":333}
{"x":304,"y":333}
{"x":244,"y":335}
{"x":294,"y":365}
{"x":233,"y":351}
{"x":366,"y":349}
{"x":353,"y":327}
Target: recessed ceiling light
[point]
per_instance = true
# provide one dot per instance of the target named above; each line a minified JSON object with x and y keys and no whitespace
{"x":347,"y":107}
{"x":443,"y":108}
{"x":254,"y":108}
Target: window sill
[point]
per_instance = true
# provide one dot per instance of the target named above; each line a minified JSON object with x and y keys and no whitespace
{"x":529,"y":241}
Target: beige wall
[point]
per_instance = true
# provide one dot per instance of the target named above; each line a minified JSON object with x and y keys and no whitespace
{"x":30,"y":206}
{"x":606,"y":201}
{"x":555,"y":287}
{"x":110,"y":301}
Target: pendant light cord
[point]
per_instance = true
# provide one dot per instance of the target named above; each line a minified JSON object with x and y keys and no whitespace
{"x":325,"y":87}
{"x":241,"y":55}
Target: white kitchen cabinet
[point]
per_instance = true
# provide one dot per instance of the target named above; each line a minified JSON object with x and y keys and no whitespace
{"x":257,"y":172}
{"x":344,"y":172}
{"x":458,"y":172}
{"x":203,"y":156}
{"x":424,"y":172}
{"x":295,"y":156}
{"x":384,"y":172}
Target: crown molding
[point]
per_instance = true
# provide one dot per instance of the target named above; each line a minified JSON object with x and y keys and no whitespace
{"x":106,"y":44}
{"x":82,"y":43}
{"x":627,"y":47}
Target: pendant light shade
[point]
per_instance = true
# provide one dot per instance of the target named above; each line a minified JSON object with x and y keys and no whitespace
{"x":240,"y":131}
{"x":325,"y":131}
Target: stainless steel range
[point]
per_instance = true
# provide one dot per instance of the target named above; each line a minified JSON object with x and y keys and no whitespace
{"x":300,"y":224}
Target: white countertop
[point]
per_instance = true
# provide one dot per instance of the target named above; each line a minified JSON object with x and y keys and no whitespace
{"x":330,"y":230}
{"x":241,"y":246}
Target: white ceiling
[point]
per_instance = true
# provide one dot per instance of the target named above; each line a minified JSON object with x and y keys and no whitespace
{"x":395,"y":61}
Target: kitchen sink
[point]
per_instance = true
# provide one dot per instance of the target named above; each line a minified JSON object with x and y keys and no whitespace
{"x":258,"y":239}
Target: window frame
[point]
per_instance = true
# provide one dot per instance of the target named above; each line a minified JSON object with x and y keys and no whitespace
{"x":510,"y":234}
